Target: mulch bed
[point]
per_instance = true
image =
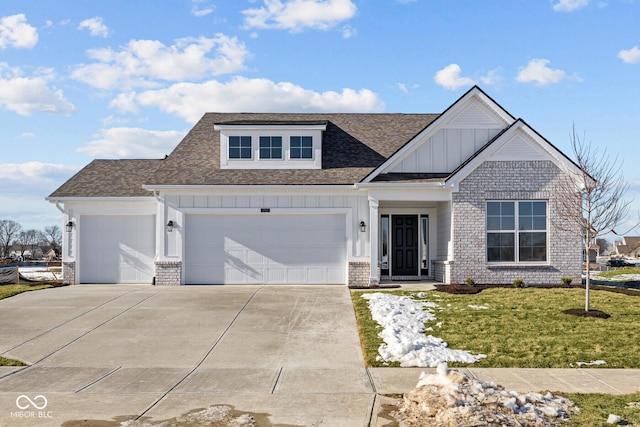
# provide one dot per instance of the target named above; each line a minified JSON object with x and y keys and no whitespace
{"x":459,"y":289}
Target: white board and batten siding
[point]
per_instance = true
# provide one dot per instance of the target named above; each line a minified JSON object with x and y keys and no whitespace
{"x":117,"y":248}
{"x":450,"y":144}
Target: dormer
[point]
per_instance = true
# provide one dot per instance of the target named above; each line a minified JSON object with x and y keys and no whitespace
{"x":271,"y":144}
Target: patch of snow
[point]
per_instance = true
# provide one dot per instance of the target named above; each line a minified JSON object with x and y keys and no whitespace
{"x":478,"y":307}
{"x":592,"y":363}
{"x":211,"y":416}
{"x":614,"y":419}
{"x":451,"y":398}
{"x":403,"y":333}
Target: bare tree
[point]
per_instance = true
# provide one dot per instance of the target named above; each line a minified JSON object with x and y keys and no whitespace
{"x":9,"y":231}
{"x":595,"y":201}
{"x":29,"y":240}
{"x":53,"y":236}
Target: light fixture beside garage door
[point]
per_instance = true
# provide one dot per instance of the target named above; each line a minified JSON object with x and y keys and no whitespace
{"x":363,"y":227}
{"x":169,"y":226}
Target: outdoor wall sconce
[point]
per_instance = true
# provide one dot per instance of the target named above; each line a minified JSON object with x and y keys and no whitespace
{"x":69,"y":226}
{"x":363,"y":227}
{"x":169,"y":226}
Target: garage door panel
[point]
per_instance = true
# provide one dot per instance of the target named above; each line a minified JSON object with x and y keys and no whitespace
{"x":265,"y":249}
{"x":117,"y":248}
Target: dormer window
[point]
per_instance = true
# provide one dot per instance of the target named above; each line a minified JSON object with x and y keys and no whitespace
{"x":239,"y":147}
{"x":270,"y":147}
{"x":247,"y":144}
{"x":301,"y":147}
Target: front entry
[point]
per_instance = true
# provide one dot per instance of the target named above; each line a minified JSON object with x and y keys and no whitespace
{"x":405,"y":245}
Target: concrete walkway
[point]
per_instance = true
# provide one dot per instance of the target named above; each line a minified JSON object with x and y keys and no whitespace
{"x":286,"y":355}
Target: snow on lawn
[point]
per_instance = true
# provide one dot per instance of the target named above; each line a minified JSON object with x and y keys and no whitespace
{"x":403,"y":333}
{"x":450,"y":398}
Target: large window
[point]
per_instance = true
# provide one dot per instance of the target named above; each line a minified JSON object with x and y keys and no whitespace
{"x":517,"y":231}
{"x":239,"y":147}
{"x":301,"y":147}
{"x":270,"y":147}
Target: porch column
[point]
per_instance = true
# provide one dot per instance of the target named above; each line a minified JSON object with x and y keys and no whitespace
{"x":374,"y":278}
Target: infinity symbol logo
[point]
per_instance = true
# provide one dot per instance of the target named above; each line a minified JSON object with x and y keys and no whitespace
{"x":20,"y":402}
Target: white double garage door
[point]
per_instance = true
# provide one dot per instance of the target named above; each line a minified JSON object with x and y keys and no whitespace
{"x":219,"y":249}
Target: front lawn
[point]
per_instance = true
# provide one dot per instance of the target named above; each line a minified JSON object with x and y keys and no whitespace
{"x":526,"y":327}
{"x":7,"y":291}
{"x":595,"y":408}
{"x":614,"y":273}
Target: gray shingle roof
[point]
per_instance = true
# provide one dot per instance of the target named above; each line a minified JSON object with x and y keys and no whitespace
{"x":353,"y":146}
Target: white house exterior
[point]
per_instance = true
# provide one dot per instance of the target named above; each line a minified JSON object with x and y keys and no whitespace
{"x":353,"y":199}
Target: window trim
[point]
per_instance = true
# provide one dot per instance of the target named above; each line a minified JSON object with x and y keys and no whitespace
{"x":240,"y":147}
{"x":270,"y":148}
{"x":301,"y":158}
{"x":516,"y":234}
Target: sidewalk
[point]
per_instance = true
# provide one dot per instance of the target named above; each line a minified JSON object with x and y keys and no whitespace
{"x":522,"y":380}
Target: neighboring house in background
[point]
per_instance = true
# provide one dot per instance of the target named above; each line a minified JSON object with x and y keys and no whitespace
{"x":628,"y":246}
{"x":328,"y":198}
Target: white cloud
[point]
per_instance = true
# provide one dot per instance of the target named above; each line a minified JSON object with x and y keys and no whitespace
{"x":449,"y":78}
{"x":141,"y":63}
{"x":402,"y":87}
{"x":27,"y":95}
{"x":492,"y":78}
{"x":348,"y":31}
{"x":199,"y":9}
{"x":191,"y":100}
{"x":537,"y":71}
{"x":569,"y":5}
{"x":296,"y":15}
{"x":15,"y":32}
{"x":630,"y":56}
{"x":33,"y":174}
{"x":132,"y":143}
{"x":27,"y":135}
{"x":95,"y":26}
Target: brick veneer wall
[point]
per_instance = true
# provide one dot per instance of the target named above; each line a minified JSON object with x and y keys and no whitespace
{"x":359,"y":275}
{"x":168,"y":273}
{"x":511,"y":180}
{"x":69,"y":273}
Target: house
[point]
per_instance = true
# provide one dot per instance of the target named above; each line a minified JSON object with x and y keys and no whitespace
{"x":328,"y":199}
{"x":628,"y":246}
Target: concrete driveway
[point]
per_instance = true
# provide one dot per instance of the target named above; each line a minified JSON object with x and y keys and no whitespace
{"x":287,"y":355}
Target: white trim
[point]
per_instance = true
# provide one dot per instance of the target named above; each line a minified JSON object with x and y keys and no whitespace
{"x":440,"y":123}
{"x":552,"y":153}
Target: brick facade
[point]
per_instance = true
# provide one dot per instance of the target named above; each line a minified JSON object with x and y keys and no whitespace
{"x":511,"y":180}
{"x":168,"y":273}
{"x":69,"y":273}
{"x":359,"y":275}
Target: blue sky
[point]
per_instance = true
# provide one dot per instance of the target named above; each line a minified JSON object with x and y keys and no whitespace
{"x":82,"y":80}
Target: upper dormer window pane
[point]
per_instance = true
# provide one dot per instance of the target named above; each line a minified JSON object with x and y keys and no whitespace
{"x":270,"y":147}
{"x":301,"y":147}
{"x":239,"y":147}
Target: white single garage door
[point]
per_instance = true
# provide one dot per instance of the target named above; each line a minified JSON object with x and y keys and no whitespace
{"x":117,"y":248}
{"x":265,"y":248}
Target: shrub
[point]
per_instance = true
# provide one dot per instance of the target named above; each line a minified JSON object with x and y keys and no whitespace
{"x":519,"y":283}
{"x":566,"y":281}
{"x":469,"y":281}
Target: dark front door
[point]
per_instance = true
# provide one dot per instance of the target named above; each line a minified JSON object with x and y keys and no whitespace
{"x":405,"y":245}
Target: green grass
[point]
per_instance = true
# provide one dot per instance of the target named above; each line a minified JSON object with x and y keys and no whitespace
{"x":7,"y":291}
{"x":595,"y":408}
{"x":526,"y":327}
{"x":611,"y":274}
